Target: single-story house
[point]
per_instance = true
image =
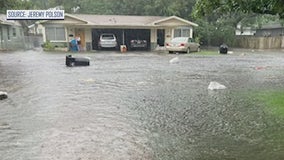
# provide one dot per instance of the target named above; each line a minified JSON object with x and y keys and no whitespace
{"x":266,"y":30}
{"x":268,"y":36}
{"x":270,"y":30}
{"x":245,"y":31}
{"x":11,"y":34}
{"x":156,"y":30}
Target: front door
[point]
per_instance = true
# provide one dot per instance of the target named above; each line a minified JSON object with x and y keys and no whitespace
{"x":81,"y":33}
{"x":161,"y":37}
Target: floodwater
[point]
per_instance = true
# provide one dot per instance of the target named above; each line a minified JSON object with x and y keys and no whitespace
{"x":138,"y":106}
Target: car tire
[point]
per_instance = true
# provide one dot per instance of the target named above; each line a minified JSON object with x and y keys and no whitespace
{"x":188,"y":50}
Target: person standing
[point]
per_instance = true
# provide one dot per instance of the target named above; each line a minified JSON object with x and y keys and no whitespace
{"x":74,"y":44}
{"x":78,"y":42}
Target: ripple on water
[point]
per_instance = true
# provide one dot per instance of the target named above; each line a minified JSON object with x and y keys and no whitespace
{"x":136,"y":106}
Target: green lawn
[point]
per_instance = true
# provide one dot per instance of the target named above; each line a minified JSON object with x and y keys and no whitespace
{"x":206,"y":52}
{"x":273,"y":100}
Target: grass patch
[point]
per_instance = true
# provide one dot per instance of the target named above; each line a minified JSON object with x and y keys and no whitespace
{"x":206,"y":52}
{"x":273,"y":100}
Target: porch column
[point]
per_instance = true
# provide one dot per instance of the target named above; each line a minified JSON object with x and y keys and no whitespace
{"x":153,"y":39}
{"x":190,"y":32}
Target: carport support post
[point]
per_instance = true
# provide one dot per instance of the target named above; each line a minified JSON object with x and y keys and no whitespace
{"x":123,"y":38}
{"x":153,"y":39}
{"x":123,"y":47}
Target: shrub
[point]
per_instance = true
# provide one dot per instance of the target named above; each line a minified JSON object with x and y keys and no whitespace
{"x":48,"y":46}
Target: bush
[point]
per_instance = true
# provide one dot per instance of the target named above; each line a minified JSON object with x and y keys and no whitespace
{"x":214,"y":33}
{"x":48,"y":46}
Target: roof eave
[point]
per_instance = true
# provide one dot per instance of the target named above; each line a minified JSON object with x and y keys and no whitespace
{"x":69,"y":15}
{"x":9,"y":23}
{"x":116,"y":26}
{"x":177,"y":18}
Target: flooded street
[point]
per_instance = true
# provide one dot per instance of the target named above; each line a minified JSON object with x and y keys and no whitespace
{"x":138,"y":106}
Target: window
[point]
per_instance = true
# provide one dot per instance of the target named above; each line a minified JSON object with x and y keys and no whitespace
{"x":8,"y":33}
{"x":182,"y":32}
{"x":55,"y":33}
{"x":177,"y":33}
{"x":14,"y":32}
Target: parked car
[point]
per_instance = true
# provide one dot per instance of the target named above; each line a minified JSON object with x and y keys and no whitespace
{"x":107,"y":40}
{"x":138,"y":43}
{"x":182,"y":44}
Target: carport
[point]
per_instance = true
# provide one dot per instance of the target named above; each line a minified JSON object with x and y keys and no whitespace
{"x":123,"y":36}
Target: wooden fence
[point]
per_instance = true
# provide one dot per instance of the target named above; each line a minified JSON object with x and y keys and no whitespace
{"x":260,"y":42}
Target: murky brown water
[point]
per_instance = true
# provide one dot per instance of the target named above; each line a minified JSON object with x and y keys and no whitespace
{"x":138,"y":106}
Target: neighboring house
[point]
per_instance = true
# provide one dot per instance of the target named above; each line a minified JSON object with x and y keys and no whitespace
{"x":268,"y":36}
{"x":154,"y":29}
{"x":35,"y":29}
{"x":245,"y":31}
{"x":266,"y":30}
{"x":11,"y":34}
{"x":270,"y":30}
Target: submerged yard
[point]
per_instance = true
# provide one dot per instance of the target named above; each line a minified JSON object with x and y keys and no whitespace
{"x":137,"y":105}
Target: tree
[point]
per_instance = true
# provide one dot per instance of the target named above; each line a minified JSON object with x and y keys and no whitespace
{"x":205,"y":7}
{"x":14,"y":4}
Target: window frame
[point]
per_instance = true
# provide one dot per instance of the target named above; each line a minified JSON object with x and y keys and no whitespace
{"x":54,"y":30}
{"x":182,"y":32}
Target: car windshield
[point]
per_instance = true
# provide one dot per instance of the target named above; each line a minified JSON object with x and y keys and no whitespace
{"x":180,"y":39}
{"x":107,"y":36}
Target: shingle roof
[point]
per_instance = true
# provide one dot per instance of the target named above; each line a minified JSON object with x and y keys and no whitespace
{"x":3,"y":20}
{"x":271,"y":26}
{"x":121,"y":20}
{"x":118,"y":19}
{"x":125,"y":20}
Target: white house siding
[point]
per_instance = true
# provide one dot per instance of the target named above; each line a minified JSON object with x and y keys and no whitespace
{"x":88,"y":39}
{"x":245,"y":32}
{"x":169,"y":34}
{"x":70,"y":31}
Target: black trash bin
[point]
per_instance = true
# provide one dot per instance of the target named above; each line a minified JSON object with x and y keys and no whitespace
{"x":223,"y":49}
{"x":72,"y":61}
